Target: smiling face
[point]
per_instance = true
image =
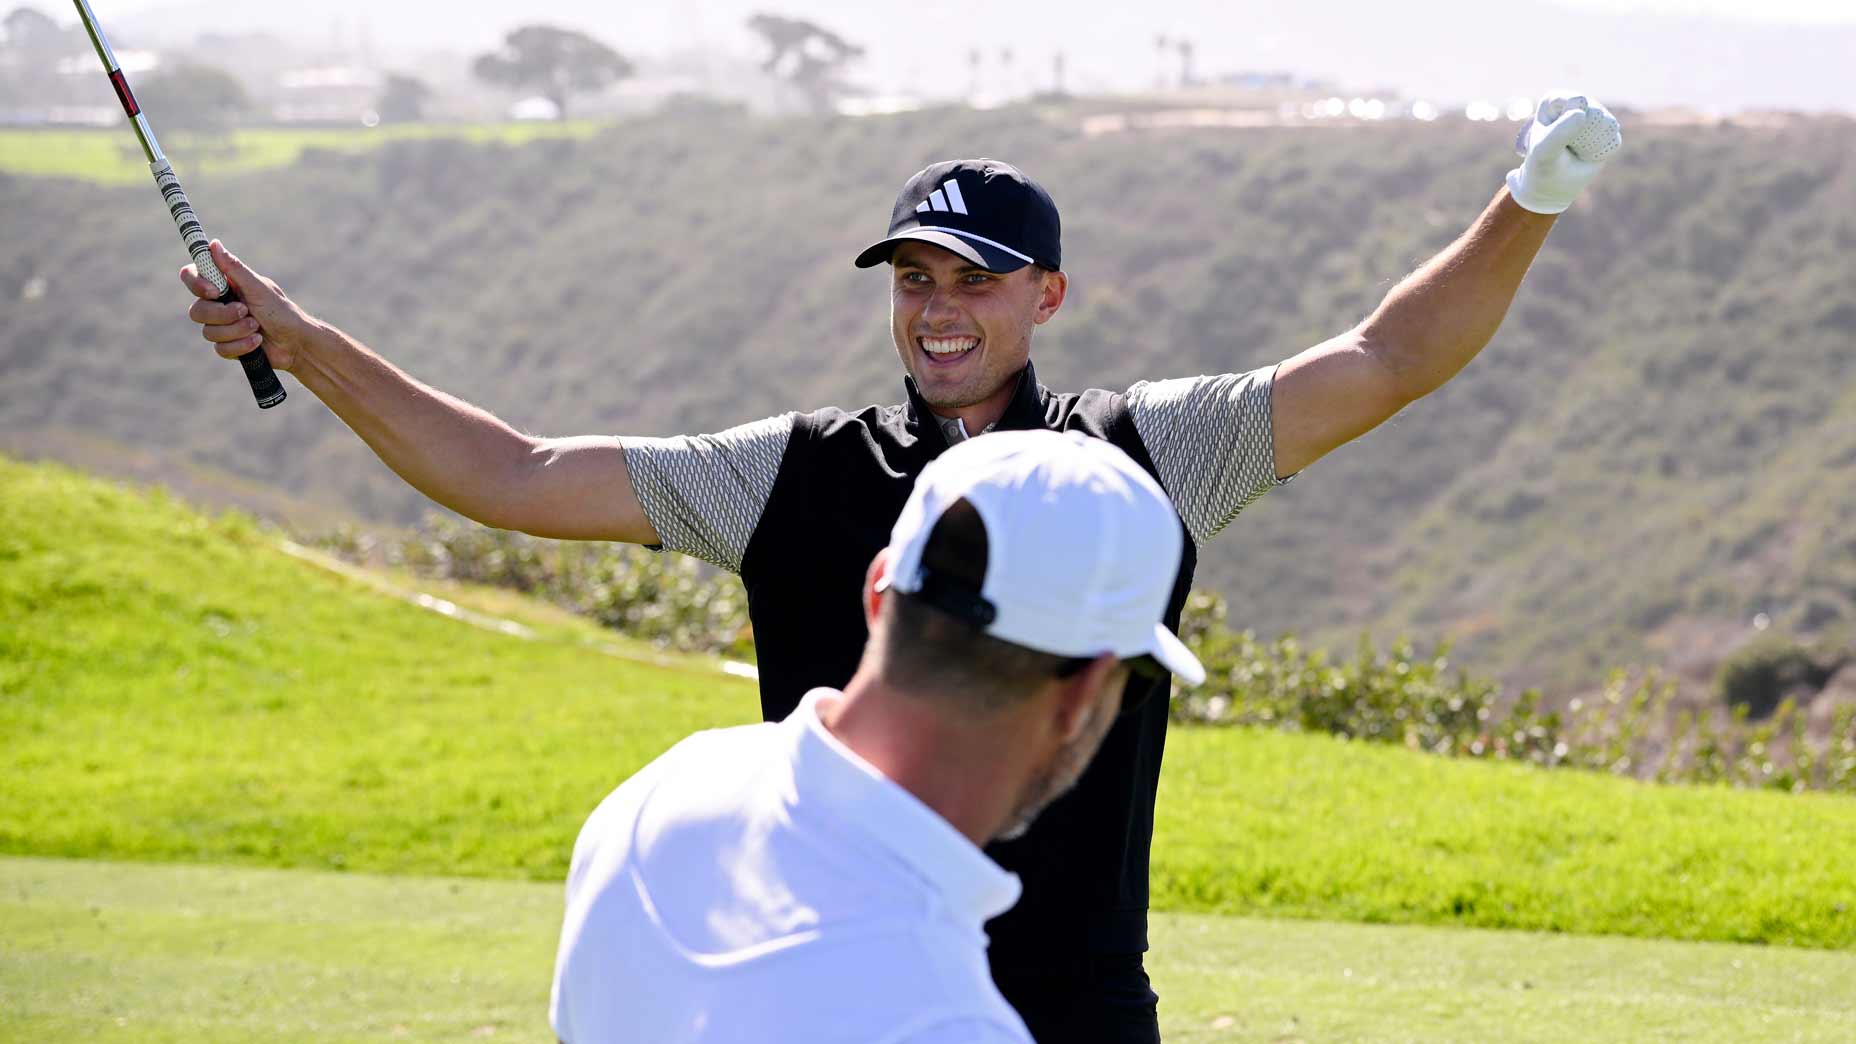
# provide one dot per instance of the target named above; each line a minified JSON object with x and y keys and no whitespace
{"x":964,"y":333}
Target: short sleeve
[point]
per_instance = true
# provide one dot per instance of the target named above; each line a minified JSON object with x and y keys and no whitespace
{"x":1211,"y":442}
{"x":704,"y":494}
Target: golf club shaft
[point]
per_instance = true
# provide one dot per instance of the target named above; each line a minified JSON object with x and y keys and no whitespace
{"x":265,"y":386}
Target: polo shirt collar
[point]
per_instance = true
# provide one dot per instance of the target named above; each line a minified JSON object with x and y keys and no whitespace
{"x":857,"y":795}
{"x":1025,"y":412}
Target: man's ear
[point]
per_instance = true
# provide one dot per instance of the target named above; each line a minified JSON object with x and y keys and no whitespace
{"x":1050,"y":297}
{"x":1079,"y":695}
{"x":875,"y":586}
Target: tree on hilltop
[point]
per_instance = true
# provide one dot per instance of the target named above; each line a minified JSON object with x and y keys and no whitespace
{"x":190,"y":96}
{"x":553,"y":62}
{"x":807,"y":55}
{"x":402,"y":99}
{"x":26,"y":26}
{"x":32,"y":44}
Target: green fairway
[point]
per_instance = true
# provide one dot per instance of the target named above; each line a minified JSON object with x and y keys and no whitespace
{"x":1312,"y":826}
{"x":111,"y":155}
{"x":101,"y":951}
{"x":174,"y":688}
{"x":1239,"y":979}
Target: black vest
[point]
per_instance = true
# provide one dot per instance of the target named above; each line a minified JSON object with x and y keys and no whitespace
{"x":841,"y":486}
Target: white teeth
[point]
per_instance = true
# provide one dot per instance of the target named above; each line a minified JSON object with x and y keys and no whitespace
{"x":949,"y":345}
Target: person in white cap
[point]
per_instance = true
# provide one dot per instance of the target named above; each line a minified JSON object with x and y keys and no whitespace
{"x":820,"y":879}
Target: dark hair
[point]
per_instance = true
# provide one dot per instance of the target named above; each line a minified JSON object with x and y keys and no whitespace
{"x":925,"y":647}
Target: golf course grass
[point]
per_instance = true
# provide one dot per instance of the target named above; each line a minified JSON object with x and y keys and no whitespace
{"x":1312,"y":826}
{"x":180,"y":690}
{"x":124,"y":952}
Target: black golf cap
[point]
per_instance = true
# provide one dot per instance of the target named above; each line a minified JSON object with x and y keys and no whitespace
{"x":985,"y":211}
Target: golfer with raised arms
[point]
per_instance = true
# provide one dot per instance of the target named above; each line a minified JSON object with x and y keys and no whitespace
{"x":799,"y":503}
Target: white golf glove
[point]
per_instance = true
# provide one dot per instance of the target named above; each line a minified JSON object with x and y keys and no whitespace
{"x":1562,"y":148}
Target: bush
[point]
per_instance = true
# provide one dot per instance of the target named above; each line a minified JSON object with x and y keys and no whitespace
{"x":671,"y":600}
{"x":1400,"y":695}
{"x":1415,"y":700}
{"x":1763,"y":673}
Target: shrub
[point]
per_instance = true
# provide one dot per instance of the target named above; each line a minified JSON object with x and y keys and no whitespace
{"x":1632,"y":728}
{"x":1763,"y":673}
{"x":1399,"y":695}
{"x":674,"y":601}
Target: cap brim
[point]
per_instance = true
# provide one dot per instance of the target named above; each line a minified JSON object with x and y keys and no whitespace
{"x":991,"y":258}
{"x":1174,"y":656}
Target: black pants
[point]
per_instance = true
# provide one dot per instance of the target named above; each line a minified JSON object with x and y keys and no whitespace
{"x":1097,"y":1000}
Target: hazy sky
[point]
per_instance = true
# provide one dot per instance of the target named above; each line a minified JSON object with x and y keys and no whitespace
{"x":1722,"y":55}
{"x":1809,"y":11}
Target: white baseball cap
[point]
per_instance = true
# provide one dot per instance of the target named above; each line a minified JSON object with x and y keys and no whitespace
{"x":1082,"y":546}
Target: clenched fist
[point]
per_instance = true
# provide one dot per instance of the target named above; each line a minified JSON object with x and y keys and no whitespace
{"x":1562,"y":148}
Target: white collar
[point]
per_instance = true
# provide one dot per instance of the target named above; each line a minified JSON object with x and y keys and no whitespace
{"x":828,"y":770}
{"x":955,"y":430}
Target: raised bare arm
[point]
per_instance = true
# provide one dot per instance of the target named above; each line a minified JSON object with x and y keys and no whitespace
{"x":1435,"y":320}
{"x":1425,"y":331}
{"x":453,"y":452}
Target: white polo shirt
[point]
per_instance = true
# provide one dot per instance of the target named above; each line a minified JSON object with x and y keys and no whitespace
{"x":766,"y":884}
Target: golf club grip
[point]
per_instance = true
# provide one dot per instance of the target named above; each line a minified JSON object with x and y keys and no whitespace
{"x":265,"y":387}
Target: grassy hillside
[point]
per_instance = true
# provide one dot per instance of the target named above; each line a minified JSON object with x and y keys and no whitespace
{"x":1675,"y":376}
{"x":117,"y":952}
{"x":178,"y":689}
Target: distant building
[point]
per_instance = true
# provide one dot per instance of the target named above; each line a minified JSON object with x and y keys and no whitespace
{"x":535,"y":108}
{"x":77,"y":94}
{"x":343,"y":94}
{"x":1253,"y":80}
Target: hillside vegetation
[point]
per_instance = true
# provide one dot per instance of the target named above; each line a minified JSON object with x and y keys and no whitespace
{"x":1658,"y":447}
{"x":1760,"y":734}
{"x":175,"y":688}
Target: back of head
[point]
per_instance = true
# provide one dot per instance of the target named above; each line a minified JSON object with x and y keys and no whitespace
{"x":1022,"y":556}
{"x":925,"y":645}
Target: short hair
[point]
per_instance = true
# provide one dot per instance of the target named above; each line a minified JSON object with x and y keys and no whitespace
{"x":925,"y":648}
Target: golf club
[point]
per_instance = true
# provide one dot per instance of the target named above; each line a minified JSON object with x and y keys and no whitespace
{"x":264,"y":384}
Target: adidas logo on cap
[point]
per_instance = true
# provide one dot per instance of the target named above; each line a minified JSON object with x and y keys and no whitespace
{"x":947,"y":198}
